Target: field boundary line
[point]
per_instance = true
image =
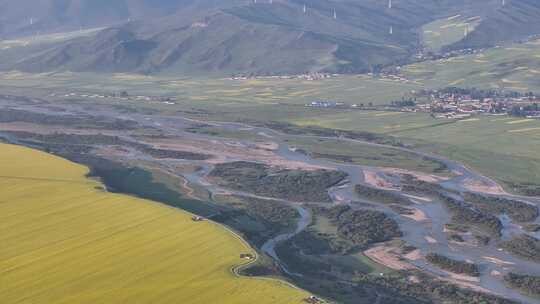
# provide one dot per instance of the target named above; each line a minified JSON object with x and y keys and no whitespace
{"x":46,"y":179}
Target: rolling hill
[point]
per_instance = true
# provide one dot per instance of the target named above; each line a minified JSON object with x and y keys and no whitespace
{"x":517,"y":20}
{"x":213,"y":37}
{"x":28,"y":17}
{"x":514,"y":67}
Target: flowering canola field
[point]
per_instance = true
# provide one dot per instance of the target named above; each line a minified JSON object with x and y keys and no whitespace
{"x":65,"y":240}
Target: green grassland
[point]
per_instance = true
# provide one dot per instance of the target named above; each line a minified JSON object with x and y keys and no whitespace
{"x":444,"y":32}
{"x":40,"y":40}
{"x":357,"y":153}
{"x":222,"y":92}
{"x":65,"y":240}
{"x":371,"y":121}
{"x":501,"y":149}
{"x":514,"y":67}
{"x":339,"y":150}
{"x":215,"y":99}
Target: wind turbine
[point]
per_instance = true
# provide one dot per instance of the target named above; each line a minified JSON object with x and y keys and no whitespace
{"x":389,"y":3}
{"x":391,"y":31}
{"x":305,"y":9}
{"x":335,"y":14}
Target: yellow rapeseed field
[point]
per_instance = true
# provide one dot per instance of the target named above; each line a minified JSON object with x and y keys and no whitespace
{"x":64,"y":240}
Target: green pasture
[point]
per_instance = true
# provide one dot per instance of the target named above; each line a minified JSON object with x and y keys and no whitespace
{"x":446,"y":31}
{"x":513,"y":67}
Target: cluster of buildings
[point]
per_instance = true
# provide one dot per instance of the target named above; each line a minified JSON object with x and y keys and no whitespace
{"x":456,"y":106}
{"x":325,"y":104}
{"x":427,"y":56}
{"x":341,"y":105}
{"x":306,"y":76}
{"x":247,"y":256}
{"x":391,"y":76}
{"x":313,"y":300}
{"x":120,"y":96}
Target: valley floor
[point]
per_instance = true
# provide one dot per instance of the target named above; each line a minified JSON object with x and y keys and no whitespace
{"x":179,"y":160}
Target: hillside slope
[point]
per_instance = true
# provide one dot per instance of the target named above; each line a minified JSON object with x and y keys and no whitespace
{"x":30,"y":17}
{"x":517,"y":20}
{"x":213,"y":37}
{"x":227,"y":41}
{"x":514,"y":67}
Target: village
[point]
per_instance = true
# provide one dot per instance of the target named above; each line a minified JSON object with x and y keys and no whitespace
{"x":123,"y":95}
{"x":454,"y":104}
{"x":451,"y":103}
{"x":306,"y":76}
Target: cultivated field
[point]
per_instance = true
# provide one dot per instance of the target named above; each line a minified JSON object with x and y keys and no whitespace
{"x":504,"y":148}
{"x":443,"y":32}
{"x":505,"y":151}
{"x":223,"y":92}
{"x":514,"y":67}
{"x":66,"y":240}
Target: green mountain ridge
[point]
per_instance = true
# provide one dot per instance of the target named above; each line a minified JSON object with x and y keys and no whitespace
{"x":516,"y":20}
{"x":212,"y":37}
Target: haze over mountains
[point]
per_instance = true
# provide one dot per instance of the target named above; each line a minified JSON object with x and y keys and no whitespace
{"x":239,"y":36}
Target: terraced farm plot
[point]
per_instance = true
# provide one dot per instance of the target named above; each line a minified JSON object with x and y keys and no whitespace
{"x":443,"y":32}
{"x":514,"y":67}
{"x":64,"y":240}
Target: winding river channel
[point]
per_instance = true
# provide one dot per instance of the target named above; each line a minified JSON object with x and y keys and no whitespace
{"x":428,"y":236}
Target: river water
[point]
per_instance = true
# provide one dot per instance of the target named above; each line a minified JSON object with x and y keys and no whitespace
{"x":420,"y":235}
